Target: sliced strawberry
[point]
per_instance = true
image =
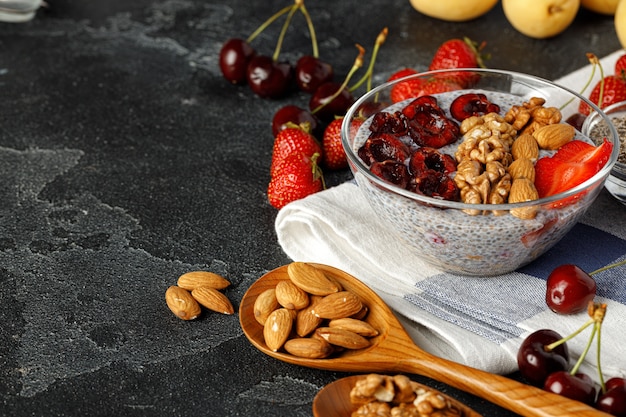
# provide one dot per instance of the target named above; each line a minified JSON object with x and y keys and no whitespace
{"x":573,"y":164}
{"x":614,"y":91}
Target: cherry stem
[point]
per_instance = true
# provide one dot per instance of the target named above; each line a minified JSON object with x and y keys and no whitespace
{"x":380,"y":39}
{"x":594,"y":62}
{"x":267,"y":23}
{"x":358,"y":63}
{"x":283,"y":31}
{"x":601,"y":96}
{"x":596,"y":313}
{"x":309,"y":23}
{"x":602,"y":385}
{"x":604,"y":268}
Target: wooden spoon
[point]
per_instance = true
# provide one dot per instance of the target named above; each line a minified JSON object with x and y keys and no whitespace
{"x":334,"y":399}
{"x":393,"y":351}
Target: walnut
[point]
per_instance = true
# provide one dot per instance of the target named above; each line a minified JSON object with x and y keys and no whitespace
{"x":373,"y":409}
{"x":483,"y":158}
{"x":372,"y":387}
{"x":410,"y":400}
{"x":432,"y":404}
{"x":532,"y":115}
{"x":405,"y":410}
{"x":404,"y":389}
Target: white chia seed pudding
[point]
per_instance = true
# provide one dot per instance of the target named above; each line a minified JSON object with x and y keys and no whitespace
{"x":457,"y":242}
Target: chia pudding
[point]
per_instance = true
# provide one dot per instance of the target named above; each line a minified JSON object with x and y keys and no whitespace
{"x":453,"y":241}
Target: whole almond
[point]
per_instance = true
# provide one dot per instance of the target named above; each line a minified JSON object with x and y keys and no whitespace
{"x":306,"y":347}
{"x":277,"y":328}
{"x":554,"y":136}
{"x":525,"y":146}
{"x":338,"y":305}
{"x":306,"y":321}
{"x":522,"y":168}
{"x":360,"y":327}
{"x":213,"y":300}
{"x":522,"y":189}
{"x":290,"y":296}
{"x":310,"y":279}
{"x":264,"y":304}
{"x":343,"y":338}
{"x":181,"y":303}
{"x":195,"y":279}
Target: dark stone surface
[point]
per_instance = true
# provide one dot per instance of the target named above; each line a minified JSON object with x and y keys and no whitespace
{"x":126,"y":160}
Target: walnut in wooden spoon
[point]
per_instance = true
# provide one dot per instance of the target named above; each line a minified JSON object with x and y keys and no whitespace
{"x":394,"y":351}
{"x":334,"y":399}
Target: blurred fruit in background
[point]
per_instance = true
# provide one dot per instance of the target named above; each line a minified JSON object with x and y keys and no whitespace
{"x":454,"y":10}
{"x":544,"y":19}
{"x":600,"y":6}
{"x":620,"y":22}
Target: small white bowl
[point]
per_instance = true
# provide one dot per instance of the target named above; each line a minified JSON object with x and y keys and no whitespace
{"x":616,"y":182}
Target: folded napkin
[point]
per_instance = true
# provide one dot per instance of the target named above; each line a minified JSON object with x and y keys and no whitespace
{"x":472,"y":320}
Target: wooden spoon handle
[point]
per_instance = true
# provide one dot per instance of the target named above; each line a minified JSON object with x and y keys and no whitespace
{"x":520,"y":398}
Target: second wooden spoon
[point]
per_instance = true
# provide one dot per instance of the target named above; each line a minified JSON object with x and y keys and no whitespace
{"x":393,"y":350}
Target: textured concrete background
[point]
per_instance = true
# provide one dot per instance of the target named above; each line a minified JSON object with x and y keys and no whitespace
{"x":126,"y":159}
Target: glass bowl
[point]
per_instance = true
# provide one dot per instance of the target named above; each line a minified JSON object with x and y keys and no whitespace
{"x":441,"y":232}
{"x":595,"y":127}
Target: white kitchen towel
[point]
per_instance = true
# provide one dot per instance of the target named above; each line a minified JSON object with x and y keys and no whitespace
{"x":473,"y":320}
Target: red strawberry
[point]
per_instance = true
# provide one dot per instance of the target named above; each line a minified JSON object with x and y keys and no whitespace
{"x":334,"y":154}
{"x":291,"y":140}
{"x":574,"y":163}
{"x":620,"y":66}
{"x":614,"y":91}
{"x":296,"y":177}
{"x":439,"y":85}
{"x":458,"y":53}
{"x":406,"y":89}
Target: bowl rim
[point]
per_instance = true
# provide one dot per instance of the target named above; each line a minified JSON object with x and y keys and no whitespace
{"x":355,"y":161}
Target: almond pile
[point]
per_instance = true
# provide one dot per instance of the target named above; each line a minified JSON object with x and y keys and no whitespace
{"x":310,"y":315}
{"x":195,"y":289}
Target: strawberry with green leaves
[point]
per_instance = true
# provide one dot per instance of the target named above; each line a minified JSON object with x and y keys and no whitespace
{"x":293,"y":139}
{"x":295,"y":177}
{"x":574,"y":163}
{"x":611,"y":89}
{"x":458,"y":53}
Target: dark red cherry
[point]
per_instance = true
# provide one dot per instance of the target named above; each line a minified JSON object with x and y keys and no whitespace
{"x":472,"y":104}
{"x":312,"y":72}
{"x":614,"y":382}
{"x":613,"y":401}
{"x":577,"y":387}
{"x":576,"y":120}
{"x":569,"y":289}
{"x":269,"y":78}
{"x":371,"y":107}
{"x":296,"y":115}
{"x":393,"y":172}
{"x":234,"y":58}
{"x":333,"y":106}
{"x":382,"y":148}
{"x":535,"y":362}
